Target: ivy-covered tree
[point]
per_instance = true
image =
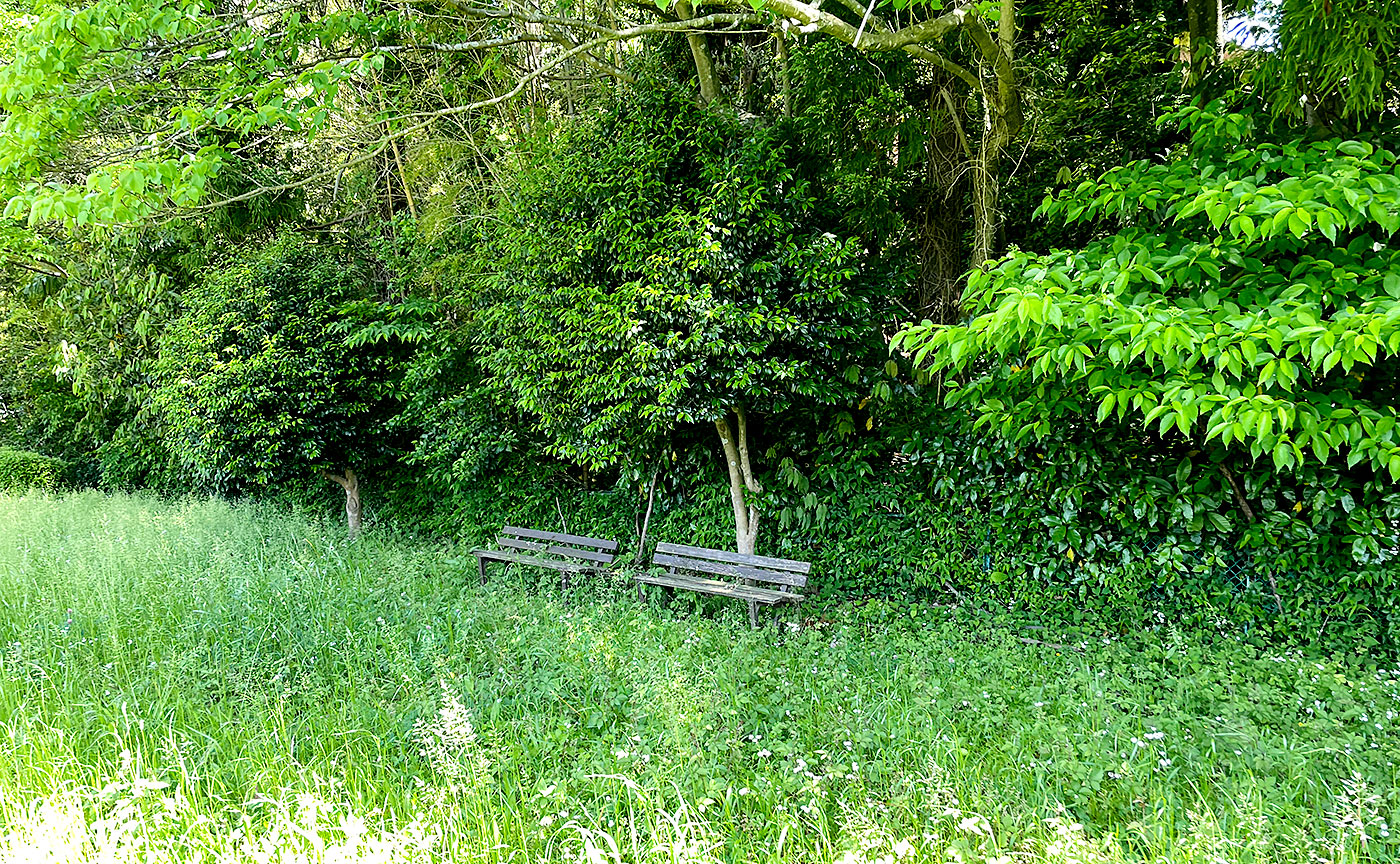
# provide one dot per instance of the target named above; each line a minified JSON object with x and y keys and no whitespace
{"x":257,"y":383}
{"x":662,"y":267}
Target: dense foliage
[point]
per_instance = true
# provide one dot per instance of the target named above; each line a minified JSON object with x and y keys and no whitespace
{"x":1246,"y":311}
{"x":664,"y":267}
{"x":1265,"y":315}
{"x":254,"y":383}
{"x":568,"y":265}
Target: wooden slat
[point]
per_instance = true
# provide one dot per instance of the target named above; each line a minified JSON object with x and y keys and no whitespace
{"x":550,"y":536}
{"x":736,"y":571}
{"x":528,"y":545}
{"x":565,"y":551}
{"x":735,"y":558}
{"x":517,"y":558}
{"x":724,"y":589}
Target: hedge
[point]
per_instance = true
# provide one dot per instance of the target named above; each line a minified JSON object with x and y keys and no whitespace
{"x":21,"y":471}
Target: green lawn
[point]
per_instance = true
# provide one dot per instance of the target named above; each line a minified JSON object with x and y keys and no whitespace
{"x":196,"y":681}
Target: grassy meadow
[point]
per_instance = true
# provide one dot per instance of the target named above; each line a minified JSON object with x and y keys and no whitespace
{"x":199,"y":681}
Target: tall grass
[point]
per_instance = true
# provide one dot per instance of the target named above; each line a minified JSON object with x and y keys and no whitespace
{"x":198,"y":681}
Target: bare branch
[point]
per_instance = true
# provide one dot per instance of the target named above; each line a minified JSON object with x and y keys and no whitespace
{"x":915,"y":34}
{"x":457,"y":47}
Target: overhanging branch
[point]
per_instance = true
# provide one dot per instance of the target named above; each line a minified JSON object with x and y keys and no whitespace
{"x":426,"y":119}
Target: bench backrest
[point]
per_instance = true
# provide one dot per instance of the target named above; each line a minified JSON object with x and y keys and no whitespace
{"x":788,"y":575}
{"x":564,"y":545}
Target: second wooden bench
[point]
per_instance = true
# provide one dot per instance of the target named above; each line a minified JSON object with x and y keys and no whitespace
{"x":692,"y":568}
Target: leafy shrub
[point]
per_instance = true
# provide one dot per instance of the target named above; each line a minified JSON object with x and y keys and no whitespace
{"x":665,"y":266}
{"x":21,"y":471}
{"x":256,"y":384}
{"x":1212,"y":383}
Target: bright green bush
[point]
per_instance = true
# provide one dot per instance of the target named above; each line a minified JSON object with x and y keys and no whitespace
{"x":21,"y":471}
{"x":1216,"y":378}
{"x":255,"y":384}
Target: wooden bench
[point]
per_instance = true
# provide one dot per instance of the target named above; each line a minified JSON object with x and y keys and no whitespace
{"x":567,"y":553}
{"x":691,"y":568}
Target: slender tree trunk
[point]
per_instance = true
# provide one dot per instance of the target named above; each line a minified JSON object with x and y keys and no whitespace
{"x":351,"y":484}
{"x":1001,"y":123}
{"x":741,"y":480}
{"x":700,"y":52}
{"x":785,"y":68}
{"x":646,"y":519}
{"x":398,"y":162}
{"x":986,"y":190}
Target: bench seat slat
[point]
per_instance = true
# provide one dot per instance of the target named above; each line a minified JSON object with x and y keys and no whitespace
{"x":519,"y":558}
{"x":565,"y":551}
{"x":737,"y":571}
{"x":726,"y":589}
{"x":734,"y":558}
{"x":552,"y":537}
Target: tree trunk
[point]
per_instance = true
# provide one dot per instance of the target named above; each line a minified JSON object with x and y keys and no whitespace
{"x":785,"y":68}
{"x":943,"y":254}
{"x":1202,"y":51}
{"x":700,"y":52}
{"x":646,"y":519}
{"x":986,"y":189}
{"x":398,"y":161}
{"x":351,"y":484}
{"x":741,"y":480}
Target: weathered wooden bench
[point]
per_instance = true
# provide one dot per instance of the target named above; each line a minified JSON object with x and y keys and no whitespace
{"x":568,"y":553}
{"x":691,"y":568}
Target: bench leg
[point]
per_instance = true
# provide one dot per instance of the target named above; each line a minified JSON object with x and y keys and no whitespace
{"x":481,"y":568}
{"x":641,"y":597}
{"x":753,"y":614}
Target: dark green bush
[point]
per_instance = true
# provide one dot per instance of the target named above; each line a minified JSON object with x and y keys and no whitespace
{"x":21,"y":471}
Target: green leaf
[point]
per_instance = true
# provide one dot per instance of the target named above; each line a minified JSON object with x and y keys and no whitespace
{"x":1106,"y":406}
